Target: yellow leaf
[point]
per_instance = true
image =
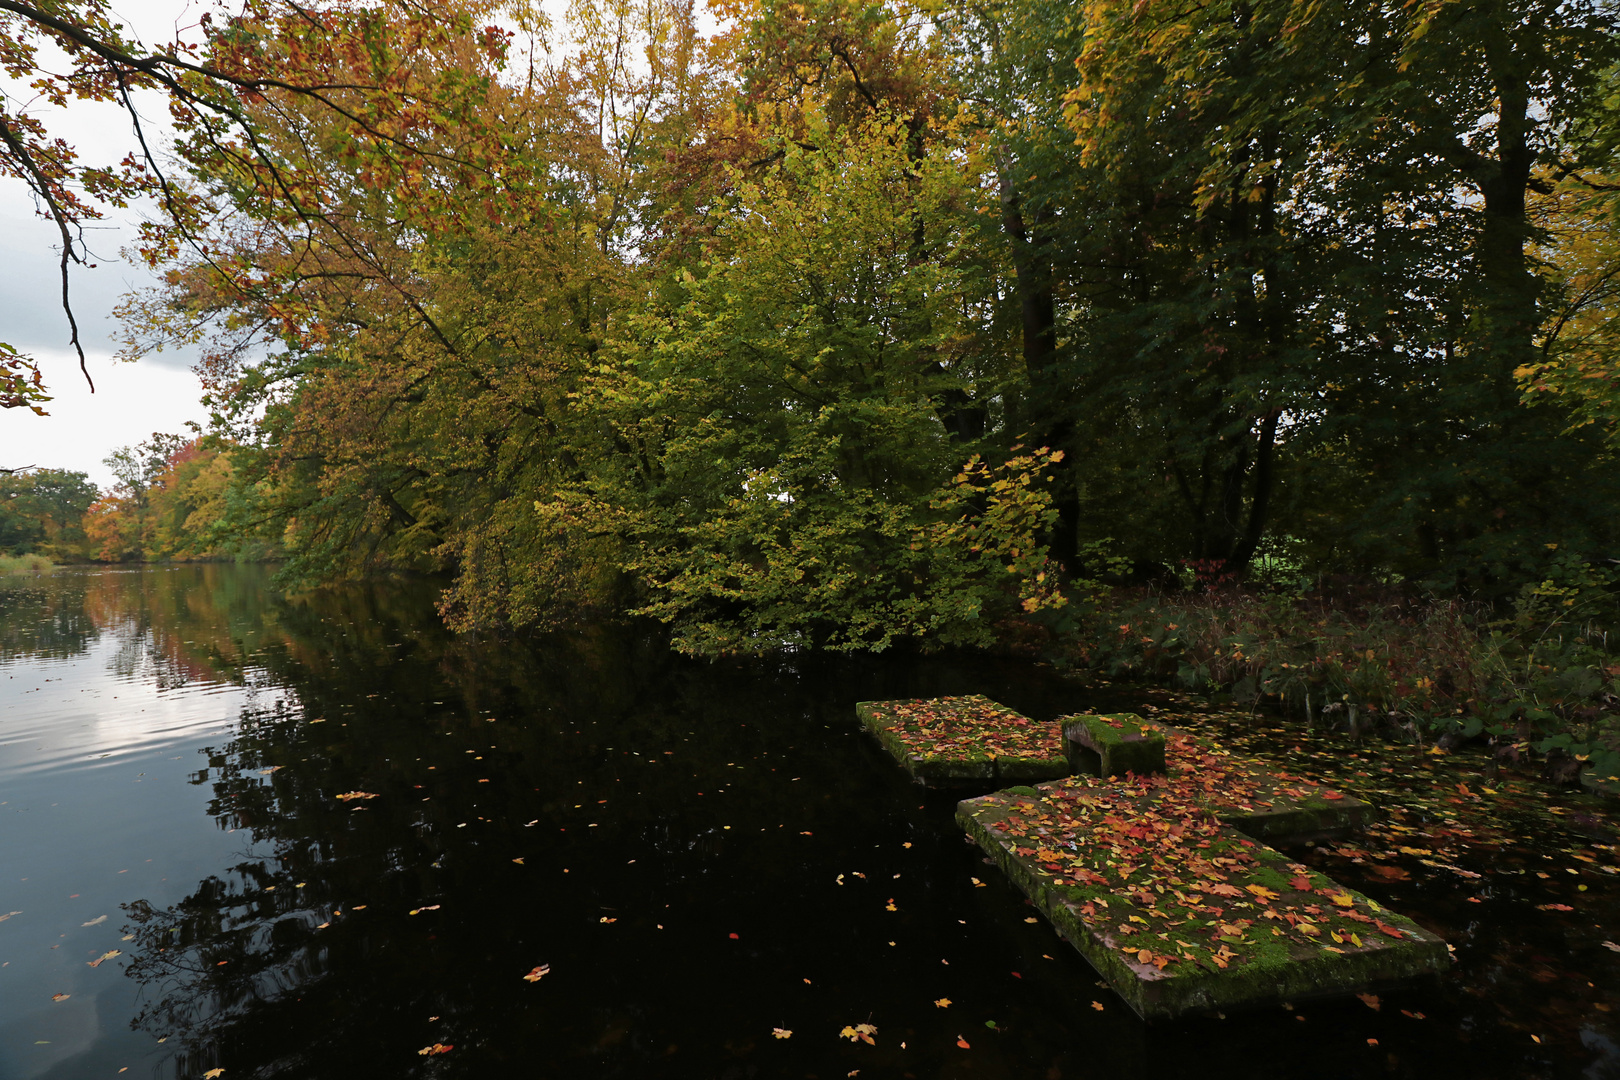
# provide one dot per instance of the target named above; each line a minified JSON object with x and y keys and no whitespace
{"x":943,"y":1003}
{"x":1343,"y":899}
{"x":782,"y":1033}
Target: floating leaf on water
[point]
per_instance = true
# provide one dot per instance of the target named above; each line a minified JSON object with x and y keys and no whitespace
{"x":782,"y":1033}
{"x":347,"y":795}
{"x":97,"y":921}
{"x":538,"y":973}
{"x":108,"y":955}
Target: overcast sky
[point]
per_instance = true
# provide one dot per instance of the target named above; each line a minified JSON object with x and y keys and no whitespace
{"x":131,"y":400}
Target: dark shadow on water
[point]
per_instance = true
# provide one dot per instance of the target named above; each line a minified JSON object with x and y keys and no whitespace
{"x":702,"y":852}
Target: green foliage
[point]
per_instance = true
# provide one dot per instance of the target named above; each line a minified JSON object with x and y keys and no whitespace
{"x":756,"y":338}
{"x":42,"y":511}
{"x":789,"y":461}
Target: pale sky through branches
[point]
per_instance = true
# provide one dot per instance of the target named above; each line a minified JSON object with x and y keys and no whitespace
{"x":131,"y":400}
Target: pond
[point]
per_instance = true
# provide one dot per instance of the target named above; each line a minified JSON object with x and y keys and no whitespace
{"x":320,"y":836}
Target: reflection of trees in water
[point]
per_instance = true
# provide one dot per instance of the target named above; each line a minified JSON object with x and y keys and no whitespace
{"x":44,"y":618}
{"x":244,"y":960}
{"x":383,"y":692}
{"x":174,"y":625}
{"x":181,"y":625}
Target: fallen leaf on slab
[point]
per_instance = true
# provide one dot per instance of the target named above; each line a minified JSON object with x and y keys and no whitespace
{"x":1032,"y":919}
{"x":538,"y":973}
{"x":436,"y":1048}
{"x":1097,"y":1005}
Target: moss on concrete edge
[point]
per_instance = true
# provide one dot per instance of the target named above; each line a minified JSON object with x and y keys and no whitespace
{"x":1156,"y":995}
{"x":1113,"y":744}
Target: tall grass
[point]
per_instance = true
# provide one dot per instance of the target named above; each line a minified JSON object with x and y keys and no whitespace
{"x":25,"y":564}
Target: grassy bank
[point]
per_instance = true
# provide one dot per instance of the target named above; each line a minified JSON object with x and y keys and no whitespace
{"x":25,"y":564}
{"x":1537,"y":681}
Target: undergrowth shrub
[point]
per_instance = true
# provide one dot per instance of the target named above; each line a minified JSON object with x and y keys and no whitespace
{"x":1533,"y":678}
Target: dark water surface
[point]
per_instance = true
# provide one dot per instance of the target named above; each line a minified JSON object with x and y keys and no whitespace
{"x":702,"y":853}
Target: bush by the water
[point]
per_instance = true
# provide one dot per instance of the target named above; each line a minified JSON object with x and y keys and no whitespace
{"x":25,"y":564}
{"x":1542,"y":677}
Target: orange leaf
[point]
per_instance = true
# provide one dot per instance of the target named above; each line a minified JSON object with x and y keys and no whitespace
{"x":963,"y":1043}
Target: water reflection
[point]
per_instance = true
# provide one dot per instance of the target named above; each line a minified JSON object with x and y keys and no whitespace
{"x":368,"y":830}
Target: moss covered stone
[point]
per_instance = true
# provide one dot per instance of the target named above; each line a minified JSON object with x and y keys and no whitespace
{"x":1182,"y":914}
{"x":1113,"y":745}
{"x":960,"y":740}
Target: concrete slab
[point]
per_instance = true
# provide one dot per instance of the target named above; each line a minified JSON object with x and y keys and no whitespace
{"x":954,"y":741}
{"x":1182,"y":913}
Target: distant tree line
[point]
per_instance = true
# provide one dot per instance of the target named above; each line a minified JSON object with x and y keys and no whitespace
{"x":169,"y":502}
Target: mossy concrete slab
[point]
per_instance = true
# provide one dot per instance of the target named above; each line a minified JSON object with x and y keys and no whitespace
{"x":1263,"y":801}
{"x":1182,"y":914}
{"x":955,"y":741}
{"x":1113,"y":745}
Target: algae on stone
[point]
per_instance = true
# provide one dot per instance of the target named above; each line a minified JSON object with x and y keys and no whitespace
{"x":1112,"y":745}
